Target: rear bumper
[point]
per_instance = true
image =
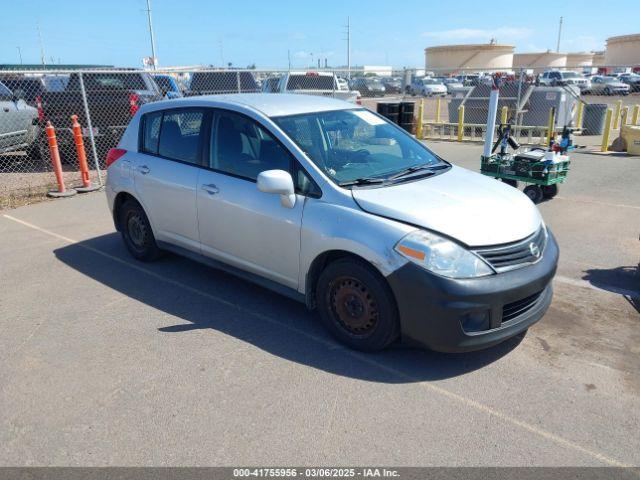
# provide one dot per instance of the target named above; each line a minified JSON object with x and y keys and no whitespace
{"x":432,"y":307}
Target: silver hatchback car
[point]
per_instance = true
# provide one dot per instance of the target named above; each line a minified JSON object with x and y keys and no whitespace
{"x":331,"y":204}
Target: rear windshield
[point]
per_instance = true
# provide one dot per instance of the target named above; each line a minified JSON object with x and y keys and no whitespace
{"x":114,"y":81}
{"x":310,"y":82}
{"x":164,"y":83}
{"x":223,"y":81}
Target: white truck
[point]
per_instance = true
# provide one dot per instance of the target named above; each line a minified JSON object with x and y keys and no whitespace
{"x":325,"y":84}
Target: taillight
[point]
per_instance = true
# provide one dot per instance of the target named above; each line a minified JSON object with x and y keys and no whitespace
{"x":359,"y":100}
{"x":113,"y":155}
{"x":40,"y":109}
{"x":133,"y":103}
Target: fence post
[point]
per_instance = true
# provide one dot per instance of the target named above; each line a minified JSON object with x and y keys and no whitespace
{"x":503,"y":115}
{"x":460,"y":122}
{"x":579,"y":115}
{"x":438,"y":106}
{"x":90,"y":127}
{"x":607,"y":131}
{"x":616,"y":117}
{"x":635,"y":115}
{"x":517,"y":112}
{"x":238,"y":82}
{"x":420,"y":120}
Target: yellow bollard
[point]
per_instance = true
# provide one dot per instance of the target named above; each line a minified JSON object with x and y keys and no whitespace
{"x":635,"y":115}
{"x":579,"y":115}
{"x":503,"y":115}
{"x":438,"y":105}
{"x":420,"y":120}
{"x":624,"y":119}
{"x":607,"y":131}
{"x":616,"y":115}
{"x":460,"y":122}
{"x":550,"y":127}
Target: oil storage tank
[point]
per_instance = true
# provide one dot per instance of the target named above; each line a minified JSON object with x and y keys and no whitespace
{"x":623,"y":50}
{"x":447,"y":59}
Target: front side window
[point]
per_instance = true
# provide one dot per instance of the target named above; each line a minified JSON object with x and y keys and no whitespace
{"x":354,"y":144}
{"x":180,"y":135}
{"x":241,"y":147}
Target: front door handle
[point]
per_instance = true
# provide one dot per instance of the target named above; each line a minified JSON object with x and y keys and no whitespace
{"x":144,"y":169}
{"x":210,"y":188}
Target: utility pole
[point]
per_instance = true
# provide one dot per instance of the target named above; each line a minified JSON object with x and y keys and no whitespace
{"x":289,"y":58}
{"x":349,"y":48}
{"x":559,"y":34}
{"x":42,"y":56}
{"x":153,"y":41}
{"x":19,"y":54}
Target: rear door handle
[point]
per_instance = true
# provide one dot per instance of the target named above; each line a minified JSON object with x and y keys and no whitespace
{"x":144,"y":169}
{"x":210,"y":188}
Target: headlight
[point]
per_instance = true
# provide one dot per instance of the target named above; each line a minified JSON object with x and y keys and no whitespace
{"x":441,"y":256}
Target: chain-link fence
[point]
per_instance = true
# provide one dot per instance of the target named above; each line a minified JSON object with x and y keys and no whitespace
{"x":444,"y":104}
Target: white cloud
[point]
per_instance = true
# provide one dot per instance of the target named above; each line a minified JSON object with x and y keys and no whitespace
{"x":479,"y":34}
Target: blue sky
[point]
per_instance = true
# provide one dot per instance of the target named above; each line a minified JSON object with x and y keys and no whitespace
{"x":192,"y":32}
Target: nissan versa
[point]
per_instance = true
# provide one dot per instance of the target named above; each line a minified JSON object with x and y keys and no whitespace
{"x":330,"y":203}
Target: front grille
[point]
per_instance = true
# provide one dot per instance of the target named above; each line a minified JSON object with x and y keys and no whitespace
{"x":515,"y":309}
{"x":513,"y":255}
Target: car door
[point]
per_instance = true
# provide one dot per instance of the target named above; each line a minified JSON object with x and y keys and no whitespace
{"x":166,"y":173}
{"x":239,"y":224}
{"x":15,"y":120}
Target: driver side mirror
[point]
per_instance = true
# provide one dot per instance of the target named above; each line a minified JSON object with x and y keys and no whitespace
{"x":280,"y":183}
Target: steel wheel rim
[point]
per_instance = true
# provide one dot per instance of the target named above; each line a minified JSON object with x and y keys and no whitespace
{"x":137,"y":230}
{"x":353,"y":306}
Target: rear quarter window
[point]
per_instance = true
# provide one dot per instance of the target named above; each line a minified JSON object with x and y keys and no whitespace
{"x":151,"y":132}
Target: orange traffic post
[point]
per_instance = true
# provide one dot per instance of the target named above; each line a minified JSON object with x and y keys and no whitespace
{"x":82,"y":157}
{"x":57,"y":164}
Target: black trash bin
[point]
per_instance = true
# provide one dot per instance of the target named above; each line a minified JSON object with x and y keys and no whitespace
{"x":407,"y":117}
{"x":593,"y":119}
{"x":390,"y":111}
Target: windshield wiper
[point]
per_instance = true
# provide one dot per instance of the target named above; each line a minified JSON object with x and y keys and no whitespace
{"x":416,"y":168}
{"x":362,"y":181}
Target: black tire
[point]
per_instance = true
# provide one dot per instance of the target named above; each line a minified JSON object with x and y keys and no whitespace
{"x":136,"y":232}
{"x":607,"y":91}
{"x":549,"y":191}
{"x":534,"y":192}
{"x":356,"y":305}
{"x":510,"y":182}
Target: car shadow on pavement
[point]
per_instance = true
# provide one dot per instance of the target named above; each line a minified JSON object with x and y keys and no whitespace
{"x":200,"y":298}
{"x":620,"y":280}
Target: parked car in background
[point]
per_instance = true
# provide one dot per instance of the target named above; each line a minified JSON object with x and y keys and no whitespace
{"x":428,"y":87}
{"x":315,"y":83}
{"x":343,"y":84}
{"x":605,"y":85}
{"x":338,"y":208}
{"x":113,"y":97}
{"x":470,"y":79}
{"x":28,"y":88}
{"x":631,"y":79}
{"x":18,"y":123}
{"x":392,"y":84}
{"x":215,"y":83}
{"x":553,"y":78}
{"x":270,"y":84}
{"x":368,"y":86}
{"x":452,"y":84}
{"x":168,"y":86}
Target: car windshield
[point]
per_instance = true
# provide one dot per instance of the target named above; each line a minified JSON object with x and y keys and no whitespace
{"x":610,"y":80}
{"x":570,"y":75}
{"x":355,"y":144}
{"x":430,"y":81}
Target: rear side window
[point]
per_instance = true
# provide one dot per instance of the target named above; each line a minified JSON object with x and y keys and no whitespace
{"x":180,"y":135}
{"x":151,"y":132}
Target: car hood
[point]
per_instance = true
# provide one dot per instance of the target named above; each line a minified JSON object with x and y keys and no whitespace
{"x":472,"y":208}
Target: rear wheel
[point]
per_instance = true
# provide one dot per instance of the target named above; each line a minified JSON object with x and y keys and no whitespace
{"x":550,"y":191}
{"x":357,"y":306}
{"x":136,"y":232}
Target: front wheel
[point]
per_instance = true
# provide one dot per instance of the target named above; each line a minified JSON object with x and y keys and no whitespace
{"x":357,"y":306}
{"x":534,"y":192}
{"x":136,"y":232}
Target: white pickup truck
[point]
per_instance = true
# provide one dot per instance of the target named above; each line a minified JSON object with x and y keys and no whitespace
{"x":324,"y":84}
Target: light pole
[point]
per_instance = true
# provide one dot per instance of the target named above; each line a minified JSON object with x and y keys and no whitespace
{"x":19,"y":54}
{"x":153,"y":42}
